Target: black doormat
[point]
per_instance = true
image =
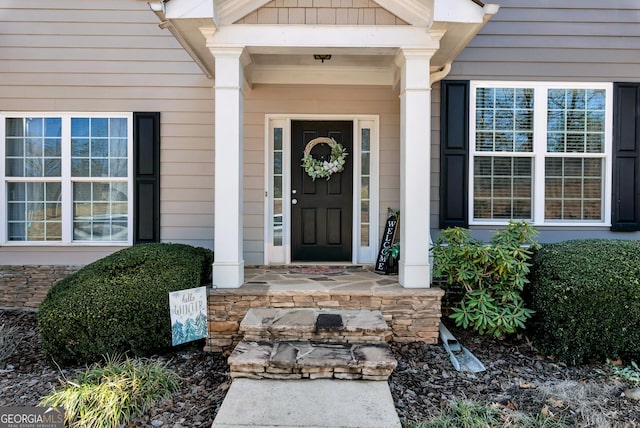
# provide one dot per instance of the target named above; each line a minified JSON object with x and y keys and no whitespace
{"x":329,"y":322}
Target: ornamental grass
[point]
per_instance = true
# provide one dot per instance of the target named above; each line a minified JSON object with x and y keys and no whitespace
{"x":110,"y":395}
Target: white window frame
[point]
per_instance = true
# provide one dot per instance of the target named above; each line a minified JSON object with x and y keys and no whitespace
{"x":65,"y":179}
{"x":540,"y":151}
{"x":282,"y":254}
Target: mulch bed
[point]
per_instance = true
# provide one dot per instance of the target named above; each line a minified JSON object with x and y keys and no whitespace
{"x":424,"y":383}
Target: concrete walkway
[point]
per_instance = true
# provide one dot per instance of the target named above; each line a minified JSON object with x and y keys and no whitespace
{"x":307,"y":403}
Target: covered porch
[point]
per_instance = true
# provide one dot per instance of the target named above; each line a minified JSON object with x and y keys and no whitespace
{"x":246,"y":46}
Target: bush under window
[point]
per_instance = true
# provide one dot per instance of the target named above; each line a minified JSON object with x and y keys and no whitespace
{"x":586,"y":294}
{"x":119,"y":304}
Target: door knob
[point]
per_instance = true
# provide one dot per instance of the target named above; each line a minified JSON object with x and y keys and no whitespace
{"x":294,"y":201}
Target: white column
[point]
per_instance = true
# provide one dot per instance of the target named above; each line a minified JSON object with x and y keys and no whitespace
{"x":228,"y":266}
{"x":415,"y":161}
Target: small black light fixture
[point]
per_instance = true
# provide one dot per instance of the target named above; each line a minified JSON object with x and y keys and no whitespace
{"x":322,"y":57}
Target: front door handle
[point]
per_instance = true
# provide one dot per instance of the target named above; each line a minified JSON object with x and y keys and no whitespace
{"x":294,"y":201}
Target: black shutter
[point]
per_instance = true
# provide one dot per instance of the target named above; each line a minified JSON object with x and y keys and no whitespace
{"x":454,"y":153}
{"x":146,"y":161}
{"x":626,"y":155}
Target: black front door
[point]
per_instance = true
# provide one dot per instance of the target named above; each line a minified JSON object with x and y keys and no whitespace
{"x":321,"y":210}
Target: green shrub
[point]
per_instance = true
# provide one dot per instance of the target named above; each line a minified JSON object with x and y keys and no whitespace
{"x":110,"y":395}
{"x":586,"y":295}
{"x":493,"y":276}
{"x":120,"y":303}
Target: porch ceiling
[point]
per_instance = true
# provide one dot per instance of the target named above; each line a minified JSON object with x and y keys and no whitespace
{"x":192,"y":22}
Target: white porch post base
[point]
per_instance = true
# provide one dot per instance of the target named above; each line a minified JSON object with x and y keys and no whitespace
{"x":414,"y":276}
{"x":228,"y":275}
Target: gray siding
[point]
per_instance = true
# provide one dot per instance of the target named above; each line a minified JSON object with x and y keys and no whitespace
{"x":559,"y":40}
{"x":90,"y":56}
{"x":551,"y":40}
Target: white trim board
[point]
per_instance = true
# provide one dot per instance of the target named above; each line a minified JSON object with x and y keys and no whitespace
{"x":337,"y":36}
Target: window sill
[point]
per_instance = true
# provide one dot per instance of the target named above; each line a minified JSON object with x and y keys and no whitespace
{"x":567,"y":224}
{"x":27,"y":244}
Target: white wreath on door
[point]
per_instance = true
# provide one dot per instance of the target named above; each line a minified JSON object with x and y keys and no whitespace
{"x":318,"y":168}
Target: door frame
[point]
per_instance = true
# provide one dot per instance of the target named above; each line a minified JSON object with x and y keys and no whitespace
{"x":281,"y":254}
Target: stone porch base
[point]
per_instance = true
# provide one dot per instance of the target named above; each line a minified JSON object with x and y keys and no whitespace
{"x":26,"y":286}
{"x":413,"y":314}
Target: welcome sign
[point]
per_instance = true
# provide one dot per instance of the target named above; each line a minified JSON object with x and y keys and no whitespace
{"x":389,"y":236}
{"x":188,"y":315}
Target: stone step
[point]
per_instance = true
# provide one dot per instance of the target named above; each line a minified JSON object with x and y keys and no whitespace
{"x":321,"y":325}
{"x":311,"y":360}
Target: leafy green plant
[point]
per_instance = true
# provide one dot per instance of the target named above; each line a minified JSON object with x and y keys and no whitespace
{"x":393,"y":257}
{"x":110,"y":395}
{"x":586,"y":294}
{"x":393,"y":251}
{"x":630,"y":374}
{"x":469,"y":414}
{"x":119,"y":304}
{"x":492,"y":275}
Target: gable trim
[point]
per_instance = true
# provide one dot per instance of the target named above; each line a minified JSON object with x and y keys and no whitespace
{"x":411,"y":11}
{"x":229,"y":12}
